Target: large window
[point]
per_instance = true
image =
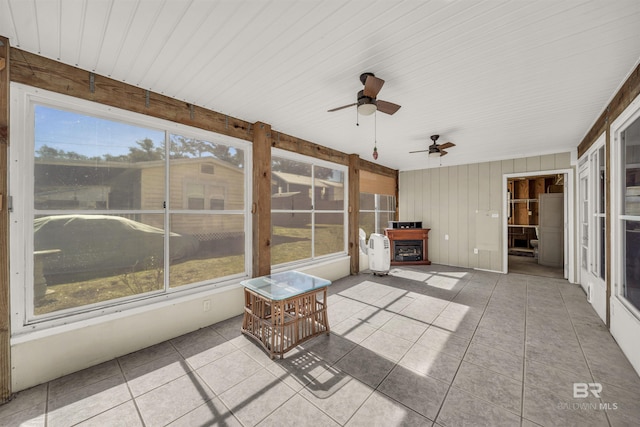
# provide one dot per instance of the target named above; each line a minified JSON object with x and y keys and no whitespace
{"x":118,"y":207}
{"x":630,"y":213}
{"x":599,"y":252}
{"x":308,"y":219}
{"x":376,"y":210}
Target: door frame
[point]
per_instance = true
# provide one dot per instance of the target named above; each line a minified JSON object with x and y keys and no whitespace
{"x":569,"y":220}
{"x":595,"y":287}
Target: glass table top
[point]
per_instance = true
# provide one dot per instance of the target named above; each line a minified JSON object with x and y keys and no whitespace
{"x":284,"y":285}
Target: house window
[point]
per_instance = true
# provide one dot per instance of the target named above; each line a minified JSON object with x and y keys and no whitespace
{"x":206,"y":169}
{"x":376,"y":210}
{"x":308,"y":203}
{"x":196,"y":203}
{"x":195,"y":196}
{"x":216,"y":204}
{"x":104,"y":211}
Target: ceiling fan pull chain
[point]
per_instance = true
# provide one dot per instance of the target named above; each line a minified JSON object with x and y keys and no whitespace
{"x":375,"y":136}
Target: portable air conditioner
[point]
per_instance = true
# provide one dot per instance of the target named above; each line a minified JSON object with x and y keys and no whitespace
{"x":379,"y":254}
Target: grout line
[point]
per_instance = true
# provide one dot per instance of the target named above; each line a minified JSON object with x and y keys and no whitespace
{"x":396,"y":364}
{"x":46,"y":405}
{"x":573,"y":327}
{"x":524,"y":349}
{"x":133,"y":399}
{"x":466,"y":350}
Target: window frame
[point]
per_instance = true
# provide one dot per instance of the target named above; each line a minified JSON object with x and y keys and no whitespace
{"x":276,"y":152}
{"x":21,"y":184}
{"x":377,"y":211}
{"x":618,"y":218}
{"x":589,"y":165}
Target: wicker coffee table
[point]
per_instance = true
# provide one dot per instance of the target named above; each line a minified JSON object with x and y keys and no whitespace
{"x":285,"y":309}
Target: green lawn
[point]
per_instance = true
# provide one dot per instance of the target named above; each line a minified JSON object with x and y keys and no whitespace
{"x":295,"y":244}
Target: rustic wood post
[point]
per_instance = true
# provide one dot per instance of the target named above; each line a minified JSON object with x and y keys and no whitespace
{"x":261,"y":208}
{"x":5,"y":348}
{"x":354,"y":212}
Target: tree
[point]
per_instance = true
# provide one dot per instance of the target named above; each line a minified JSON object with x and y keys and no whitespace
{"x":46,"y":152}
{"x":182,"y":147}
{"x":278,"y":164}
{"x":147,"y":151}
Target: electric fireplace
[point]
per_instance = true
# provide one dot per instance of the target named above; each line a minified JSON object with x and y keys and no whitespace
{"x":408,"y":245}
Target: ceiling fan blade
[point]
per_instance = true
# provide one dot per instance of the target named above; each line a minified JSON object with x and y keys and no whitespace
{"x":446,"y":145}
{"x":372,"y":86}
{"x":387,"y":107}
{"x":340,"y":108}
{"x":443,"y":153}
{"x":419,"y":151}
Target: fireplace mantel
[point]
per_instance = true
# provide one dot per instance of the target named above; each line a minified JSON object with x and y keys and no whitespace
{"x":404,"y":234}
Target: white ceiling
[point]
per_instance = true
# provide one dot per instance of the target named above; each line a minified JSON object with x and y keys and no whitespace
{"x":501,"y":79}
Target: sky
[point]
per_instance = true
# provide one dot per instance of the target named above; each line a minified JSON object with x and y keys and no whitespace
{"x":87,"y":135}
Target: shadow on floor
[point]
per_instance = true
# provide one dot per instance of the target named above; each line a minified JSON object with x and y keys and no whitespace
{"x":529,"y":265}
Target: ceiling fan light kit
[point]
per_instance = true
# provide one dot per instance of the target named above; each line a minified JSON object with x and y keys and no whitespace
{"x":366,"y":99}
{"x":366,"y":109}
{"x":435,"y":149}
{"x":366,"y":104}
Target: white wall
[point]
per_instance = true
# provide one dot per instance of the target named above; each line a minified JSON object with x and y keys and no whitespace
{"x":453,"y":201}
{"x":45,"y":355}
{"x":624,"y":328}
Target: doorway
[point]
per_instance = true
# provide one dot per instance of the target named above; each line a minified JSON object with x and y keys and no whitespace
{"x":536,"y":239}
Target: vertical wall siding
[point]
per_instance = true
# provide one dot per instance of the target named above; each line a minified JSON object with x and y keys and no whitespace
{"x":447,"y":200}
{"x":472,"y":208}
{"x":484,"y":204}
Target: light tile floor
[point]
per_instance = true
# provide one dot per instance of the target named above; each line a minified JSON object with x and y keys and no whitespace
{"x":422,"y":345}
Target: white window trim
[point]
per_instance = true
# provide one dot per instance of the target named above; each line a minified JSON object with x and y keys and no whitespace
{"x":277,"y":152}
{"x":586,"y":162}
{"x":377,"y":211}
{"x":21,"y":182}
{"x":628,"y":116}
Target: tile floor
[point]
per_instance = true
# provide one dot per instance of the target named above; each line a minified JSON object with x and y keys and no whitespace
{"x":529,"y":265}
{"x":422,"y":345}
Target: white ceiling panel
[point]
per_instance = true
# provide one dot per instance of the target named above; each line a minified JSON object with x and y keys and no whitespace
{"x":501,"y":79}
{"x":71,"y":30}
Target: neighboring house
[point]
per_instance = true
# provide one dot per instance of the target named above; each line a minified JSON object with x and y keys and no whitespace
{"x":291,"y":192}
{"x":203,"y":183}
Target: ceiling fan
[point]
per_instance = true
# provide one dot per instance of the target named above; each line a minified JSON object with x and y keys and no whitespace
{"x":435,"y":149}
{"x":366,"y":100}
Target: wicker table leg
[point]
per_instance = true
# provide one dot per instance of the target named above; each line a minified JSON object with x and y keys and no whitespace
{"x":281,"y":325}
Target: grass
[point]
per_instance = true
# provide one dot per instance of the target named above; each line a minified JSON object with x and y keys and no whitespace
{"x":76,"y":294}
{"x":295,"y":244}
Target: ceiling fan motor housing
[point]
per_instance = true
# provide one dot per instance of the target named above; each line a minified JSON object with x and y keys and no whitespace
{"x":363,"y":77}
{"x":363,"y":99}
